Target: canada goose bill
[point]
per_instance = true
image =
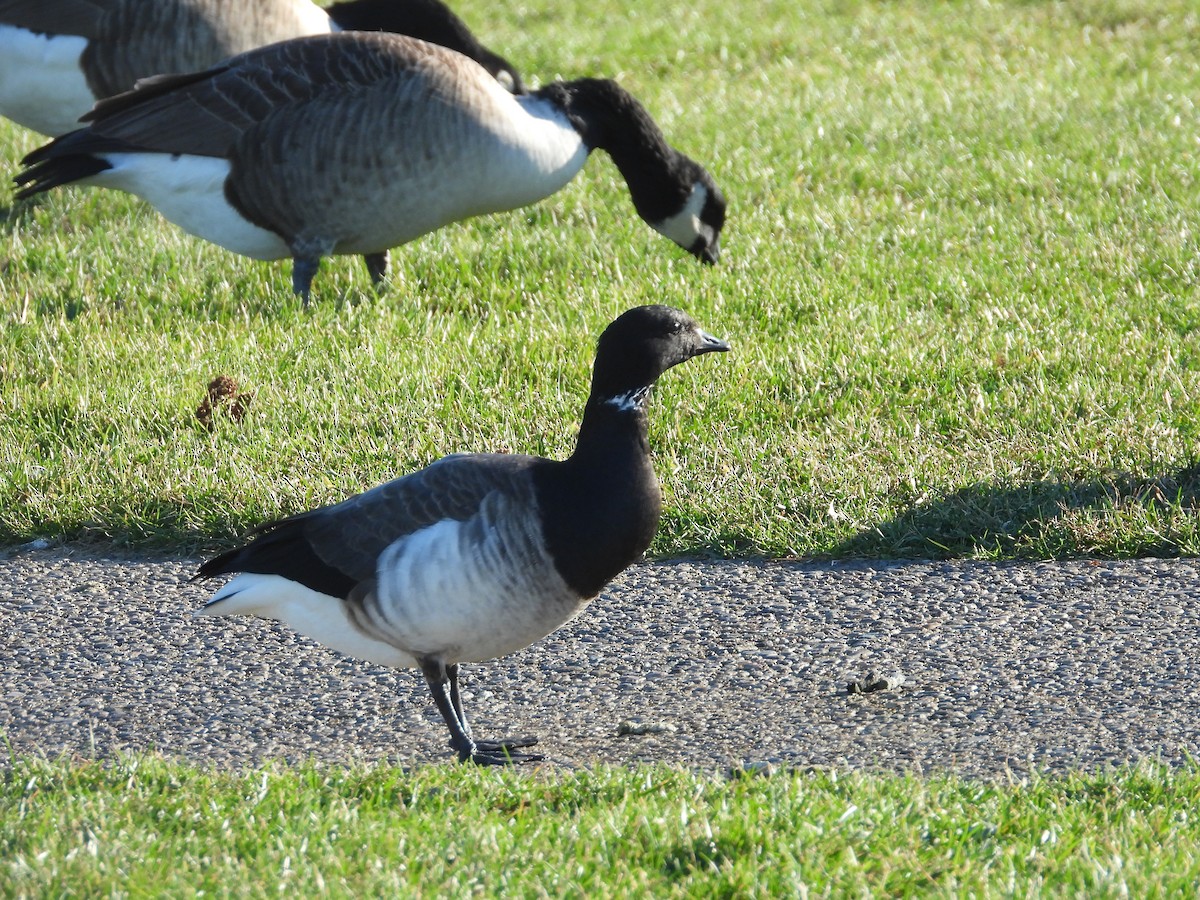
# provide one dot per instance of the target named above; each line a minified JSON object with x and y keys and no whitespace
{"x":355,"y":143}
{"x":58,"y":57}
{"x":477,"y":555}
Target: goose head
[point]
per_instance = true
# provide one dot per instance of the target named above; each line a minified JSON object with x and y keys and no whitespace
{"x":640,"y":345}
{"x":696,"y":225}
{"x":673,"y":194}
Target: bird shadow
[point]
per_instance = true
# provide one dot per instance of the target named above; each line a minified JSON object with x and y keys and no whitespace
{"x":1116,"y":515}
{"x":15,"y":212}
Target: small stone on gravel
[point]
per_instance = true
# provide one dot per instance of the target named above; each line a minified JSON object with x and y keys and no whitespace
{"x":873,"y":683}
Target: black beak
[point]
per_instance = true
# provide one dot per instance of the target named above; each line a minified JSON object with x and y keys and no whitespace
{"x":710,"y":344}
{"x":705,"y":252}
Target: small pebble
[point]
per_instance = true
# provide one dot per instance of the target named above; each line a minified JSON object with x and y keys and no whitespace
{"x":629,"y":726}
{"x":873,"y":683}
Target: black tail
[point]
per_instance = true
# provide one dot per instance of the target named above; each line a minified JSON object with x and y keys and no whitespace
{"x":281,"y":548}
{"x":65,"y":159}
{"x":268,"y":544}
{"x":60,"y":170}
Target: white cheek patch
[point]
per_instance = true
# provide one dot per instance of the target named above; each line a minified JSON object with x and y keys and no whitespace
{"x":685,"y":226}
{"x":506,"y":81}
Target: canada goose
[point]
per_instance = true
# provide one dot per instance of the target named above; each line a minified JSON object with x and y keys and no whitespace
{"x":58,"y":57}
{"x":477,"y":555}
{"x":355,"y":143}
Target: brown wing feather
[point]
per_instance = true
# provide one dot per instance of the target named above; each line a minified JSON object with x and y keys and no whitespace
{"x":206,"y":113}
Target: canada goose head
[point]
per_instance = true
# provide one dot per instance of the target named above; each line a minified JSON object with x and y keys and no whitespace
{"x":672,"y":193}
{"x":426,"y":20}
{"x":696,"y":226}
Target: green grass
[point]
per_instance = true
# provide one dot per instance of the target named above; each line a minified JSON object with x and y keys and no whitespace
{"x":960,"y":277}
{"x":141,"y":826}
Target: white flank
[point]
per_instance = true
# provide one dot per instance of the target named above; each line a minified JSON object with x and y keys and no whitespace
{"x":319,"y":616}
{"x":190,"y":191}
{"x":458,"y":591}
{"x":685,"y":226}
{"x":41,"y":84}
{"x":469,"y":593}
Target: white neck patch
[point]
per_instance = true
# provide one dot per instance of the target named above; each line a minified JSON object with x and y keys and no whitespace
{"x":630,"y":401}
{"x":685,"y":226}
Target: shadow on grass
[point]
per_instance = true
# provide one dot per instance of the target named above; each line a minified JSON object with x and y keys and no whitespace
{"x":1118,"y":515}
{"x":15,"y":211}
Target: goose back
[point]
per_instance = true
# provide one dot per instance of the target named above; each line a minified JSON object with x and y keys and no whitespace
{"x":140,"y":39}
{"x":58,"y":56}
{"x":417,"y":134}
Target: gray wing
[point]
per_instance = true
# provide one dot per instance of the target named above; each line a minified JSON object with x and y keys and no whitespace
{"x":356,"y":531}
{"x":335,"y":548}
{"x":245,"y":98}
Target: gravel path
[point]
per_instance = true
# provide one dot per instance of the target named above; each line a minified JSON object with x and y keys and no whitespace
{"x":1005,"y":666}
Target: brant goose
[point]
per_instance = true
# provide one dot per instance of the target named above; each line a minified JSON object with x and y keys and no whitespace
{"x":58,"y":57}
{"x":353,"y":143}
{"x":477,"y":555}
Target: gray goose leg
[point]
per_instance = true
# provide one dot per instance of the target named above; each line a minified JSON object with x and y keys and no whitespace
{"x":505,"y":746}
{"x":489,"y":753}
{"x":377,"y":266}
{"x":304,"y":268}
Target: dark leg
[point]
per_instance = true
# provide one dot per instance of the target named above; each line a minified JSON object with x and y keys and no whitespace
{"x":304,"y":268}
{"x":439,"y":686}
{"x":456,"y":699}
{"x":438,"y":678}
{"x":377,"y":266}
{"x":505,"y":746}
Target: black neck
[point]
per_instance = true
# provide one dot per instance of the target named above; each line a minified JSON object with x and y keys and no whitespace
{"x":602,"y":504}
{"x":613,"y":422}
{"x":609,"y":118}
{"x":427,"y":20}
